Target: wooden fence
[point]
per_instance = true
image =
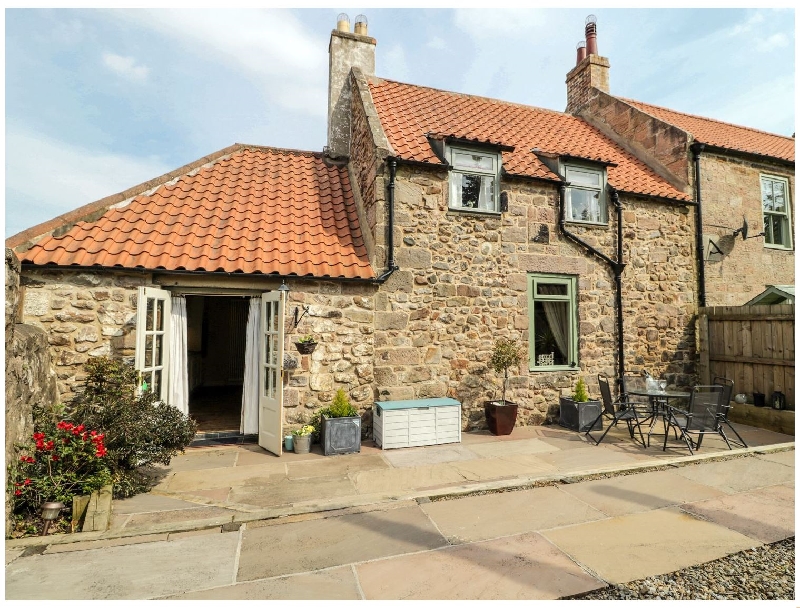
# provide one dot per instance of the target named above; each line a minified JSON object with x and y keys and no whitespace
{"x":751,"y":345}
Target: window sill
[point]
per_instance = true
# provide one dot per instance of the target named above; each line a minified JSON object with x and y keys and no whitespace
{"x":555,"y":368}
{"x":469,"y":211}
{"x":587,"y":224}
{"x":778,"y":247}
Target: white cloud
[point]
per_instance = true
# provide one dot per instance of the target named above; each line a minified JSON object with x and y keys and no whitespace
{"x":271,"y":47}
{"x":507,"y":22}
{"x":394,"y":62}
{"x":126,"y":66}
{"x":775,"y":41}
{"x":62,"y":177}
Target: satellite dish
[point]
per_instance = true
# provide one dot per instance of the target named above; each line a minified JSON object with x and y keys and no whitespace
{"x":742,"y":230}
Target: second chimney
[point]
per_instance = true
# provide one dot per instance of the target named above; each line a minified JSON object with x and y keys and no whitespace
{"x":590,"y":72}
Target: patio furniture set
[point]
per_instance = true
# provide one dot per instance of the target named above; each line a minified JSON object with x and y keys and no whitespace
{"x":643,"y":400}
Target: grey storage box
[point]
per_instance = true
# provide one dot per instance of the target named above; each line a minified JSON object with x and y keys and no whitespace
{"x":416,"y":422}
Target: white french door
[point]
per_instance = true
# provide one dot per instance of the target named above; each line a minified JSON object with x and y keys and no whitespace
{"x":270,"y":373}
{"x":152,"y":340}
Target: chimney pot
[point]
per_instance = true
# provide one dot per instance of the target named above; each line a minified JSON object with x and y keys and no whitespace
{"x":343,"y":23}
{"x":361,"y":25}
{"x":591,"y":35}
{"x":581,"y":48}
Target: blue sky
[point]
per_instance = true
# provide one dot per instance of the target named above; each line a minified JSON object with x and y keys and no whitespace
{"x":100,"y":100}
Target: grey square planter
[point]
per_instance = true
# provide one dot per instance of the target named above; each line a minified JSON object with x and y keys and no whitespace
{"x":578,"y":416}
{"x":340,"y":435}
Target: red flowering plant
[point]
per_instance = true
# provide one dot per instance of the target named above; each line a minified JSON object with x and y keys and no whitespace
{"x":57,"y":464}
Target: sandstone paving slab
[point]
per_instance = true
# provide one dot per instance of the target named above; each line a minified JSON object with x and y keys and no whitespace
{"x":289,"y":491}
{"x":786,"y":458}
{"x":256,"y":475}
{"x":766,"y":514}
{"x":405,"y":479}
{"x":566,"y":442}
{"x":137,"y":571}
{"x":525,"y":566}
{"x":145,"y":503}
{"x":739,"y":474}
{"x":526,"y":446}
{"x":754,"y":436}
{"x":336,"y":466}
{"x":334,"y":541}
{"x":474,"y":437}
{"x":639,"y":545}
{"x":107,"y":542}
{"x":254,"y":455}
{"x":586,"y":458}
{"x":200,"y":459}
{"x":333,"y":584}
{"x":475,"y":518}
{"x":641,"y":492}
{"x":143,"y":520}
{"x":435,"y":454}
{"x":488,"y":469}
{"x":12,"y":554}
{"x":215,"y":495}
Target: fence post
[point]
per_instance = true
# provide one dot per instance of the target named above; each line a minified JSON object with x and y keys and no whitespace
{"x":704,"y":367}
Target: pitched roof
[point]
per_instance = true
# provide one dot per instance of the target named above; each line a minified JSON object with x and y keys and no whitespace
{"x":409,"y":112}
{"x":722,"y":134}
{"x":254,"y":210}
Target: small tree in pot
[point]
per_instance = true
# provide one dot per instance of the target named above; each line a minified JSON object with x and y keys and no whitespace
{"x":501,"y":416}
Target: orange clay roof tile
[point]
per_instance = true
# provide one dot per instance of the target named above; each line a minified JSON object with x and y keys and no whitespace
{"x":257,"y":210}
{"x":409,"y":112}
{"x":722,"y":134}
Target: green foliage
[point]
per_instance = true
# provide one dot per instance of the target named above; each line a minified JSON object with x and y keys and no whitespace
{"x":140,"y":430}
{"x":60,"y":461}
{"x":304,"y":430}
{"x":307,"y":339}
{"x":340,"y":407}
{"x":506,"y":353}
{"x":580,"y":396}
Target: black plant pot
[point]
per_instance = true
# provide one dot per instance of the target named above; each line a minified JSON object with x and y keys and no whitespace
{"x":305,"y":348}
{"x":500,"y":417}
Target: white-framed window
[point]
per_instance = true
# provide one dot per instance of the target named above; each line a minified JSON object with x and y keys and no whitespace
{"x":586,"y":194}
{"x":474,"y":179}
{"x":552,"y":322}
{"x":777,"y":211}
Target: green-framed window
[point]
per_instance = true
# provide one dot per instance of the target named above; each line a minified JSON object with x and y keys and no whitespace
{"x":585,"y":196}
{"x":777,"y":211}
{"x":553,"y":321}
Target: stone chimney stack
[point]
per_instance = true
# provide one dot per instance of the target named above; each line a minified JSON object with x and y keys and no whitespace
{"x":347,"y":50}
{"x":591,"y":71}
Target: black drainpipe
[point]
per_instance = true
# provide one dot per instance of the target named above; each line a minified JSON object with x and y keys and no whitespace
{"x":616,"y":266}
{"x":697,"y":149}
{"x":390,"y":264}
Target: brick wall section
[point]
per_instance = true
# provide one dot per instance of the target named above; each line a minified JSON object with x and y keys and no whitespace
{"x":84,"y":314}
{"x":663,"y":147}
{"x":462,"y":284}
{"x":731,"y":189}
{"x":590,"y":73}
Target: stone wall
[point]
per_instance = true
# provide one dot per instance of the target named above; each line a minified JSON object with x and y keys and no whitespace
{"x":30,"y":379}
{"x":585,"y":79}
{"x":731,"y":190}
{"x":84,"y":314}
{"x":462,"y":283}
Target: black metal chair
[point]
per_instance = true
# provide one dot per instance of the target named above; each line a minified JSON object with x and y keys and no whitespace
{"x":700,"y":418}
{"x":722,"y":418}
{"x":615,"y":411}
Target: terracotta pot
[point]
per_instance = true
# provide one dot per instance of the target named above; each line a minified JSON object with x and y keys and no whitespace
{"x":500,"y":417}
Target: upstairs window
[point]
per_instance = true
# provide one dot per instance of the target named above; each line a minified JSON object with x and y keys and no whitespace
{"x":585,"y":197}
{"x":474,"y":179}
{"x":775,"y":203}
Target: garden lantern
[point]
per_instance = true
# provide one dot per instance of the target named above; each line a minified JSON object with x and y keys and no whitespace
{"x":50,"y":511}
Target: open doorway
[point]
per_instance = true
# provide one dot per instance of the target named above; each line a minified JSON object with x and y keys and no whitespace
{"x":216,"y":328}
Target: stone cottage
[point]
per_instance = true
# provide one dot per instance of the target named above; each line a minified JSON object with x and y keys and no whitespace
{"x":741,"y":178}
{"x":431,"y":224}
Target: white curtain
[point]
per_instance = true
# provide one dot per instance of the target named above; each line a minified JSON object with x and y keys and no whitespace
{"x":249,"y":423}
{"x":178,"y":363}
{"x":556,"y":313}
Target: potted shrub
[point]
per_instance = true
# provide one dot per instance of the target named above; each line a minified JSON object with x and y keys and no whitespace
{"x":341,"y":426}
{"x":501,"y":416}
{"x":306,"y":344}
{"x":302,"y":439}
{"x":578,"y":412}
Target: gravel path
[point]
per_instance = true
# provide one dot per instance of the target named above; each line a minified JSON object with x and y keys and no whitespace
{"x":762,"y":573}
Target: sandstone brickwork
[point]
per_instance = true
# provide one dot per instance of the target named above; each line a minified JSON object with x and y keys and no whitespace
{"x":591,"y":73}
{"x":731,"y":192}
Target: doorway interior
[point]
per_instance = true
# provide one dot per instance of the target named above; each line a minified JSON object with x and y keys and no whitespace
{"x":216,"y":332}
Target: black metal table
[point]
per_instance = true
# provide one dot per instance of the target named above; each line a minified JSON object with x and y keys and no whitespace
{"x":659,"y":401}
